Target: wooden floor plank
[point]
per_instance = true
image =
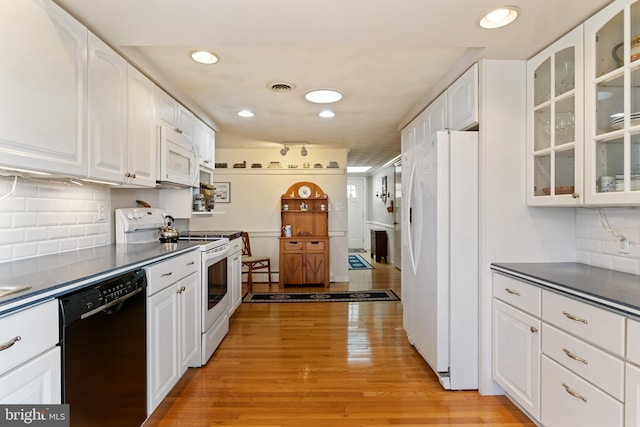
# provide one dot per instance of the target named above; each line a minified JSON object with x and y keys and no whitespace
{"x":324,"y":364}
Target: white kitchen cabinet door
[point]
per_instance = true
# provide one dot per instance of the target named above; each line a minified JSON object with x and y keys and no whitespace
{"x":142,"y":133}
{"x":555,"y":125}
{"x":189,"y":300}
{"x":204,"y":140}
{"x":435,"y":120}
{"x":163,"y":343}
{"x":43,"y":107}
{"x":107,"y":112}
{"x":632,"y":396}
{"x":171,"y":113}
{"x":516,"y":355}
{"x":612,"y":126}
{"x":462,"y":101}
{"x":36,"y":382}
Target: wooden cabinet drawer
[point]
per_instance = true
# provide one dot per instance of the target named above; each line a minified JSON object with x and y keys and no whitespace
{"x":314,"y":245}
{"x":592,"y":364}
{"x":28,"y":333}
{"x":595,"y":325}
{"x":164,"y":273}
{"x":568,"y":400}
{"x":291,"y":246}
{"x":633,"y":341}
{"x":519,"y":294}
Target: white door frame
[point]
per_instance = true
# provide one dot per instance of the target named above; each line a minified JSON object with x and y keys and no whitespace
{"x":351,"y":213}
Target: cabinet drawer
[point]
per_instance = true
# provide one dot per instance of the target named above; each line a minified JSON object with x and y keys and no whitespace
{"x":594,"y":365}
{"x":519,"y":294}
{"x":164,"y":273}
{"x":568,"y":400}
{"x":28,"y":333}
{"x":314,"y":245}
{"x":292,"y":246}
{"x":235,"y":245}
{"x":633,"y":341}
{"x":595,"y":325}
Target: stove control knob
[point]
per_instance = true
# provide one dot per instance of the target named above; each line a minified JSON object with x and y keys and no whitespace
{"x":129,"y":215}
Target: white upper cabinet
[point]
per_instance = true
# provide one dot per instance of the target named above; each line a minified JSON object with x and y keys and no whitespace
{"x":122,"y":127}
{"x":462,"y":101}
{"x":612,"y":105}
{"x":43,"y":124}
{"x":107,"y":112}
{"x":555,"y":123}
{"x":204,"y":138}
{"x":171,"y":113}
{"x":141,"y":125}
{"x":435,"y":119}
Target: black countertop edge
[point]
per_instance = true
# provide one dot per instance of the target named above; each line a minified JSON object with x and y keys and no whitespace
{"x":229,"y":234}
{"x":51,"y":276}
{"x":616,"y":290}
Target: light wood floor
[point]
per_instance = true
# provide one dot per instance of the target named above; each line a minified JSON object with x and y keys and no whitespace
{"x":324,"y":364}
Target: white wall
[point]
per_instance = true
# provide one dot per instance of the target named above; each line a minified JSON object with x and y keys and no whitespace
{"x":42,"y":218}
{"x":378,"y":216}
{"x":255,"y":199}
{"x":510,"y":231}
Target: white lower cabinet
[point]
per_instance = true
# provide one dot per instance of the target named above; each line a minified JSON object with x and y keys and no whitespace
{"x":567,"y":367}
{"x":632,"y":396}
{"x":36,"y":382}
{"x":516,"y":361}
{"x":30,"y":364}
{"x":234,"y":271}
{"x":569,"y":400}
{"x":173,"y":325}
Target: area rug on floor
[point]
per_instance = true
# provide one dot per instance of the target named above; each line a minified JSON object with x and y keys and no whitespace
{"x":338,"y":296}
{"x":357,"y":262}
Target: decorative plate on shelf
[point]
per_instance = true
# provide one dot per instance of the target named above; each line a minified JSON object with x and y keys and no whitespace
{"x":304,"y":191}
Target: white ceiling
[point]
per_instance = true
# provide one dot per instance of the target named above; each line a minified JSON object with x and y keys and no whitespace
{"x":388,"y":58}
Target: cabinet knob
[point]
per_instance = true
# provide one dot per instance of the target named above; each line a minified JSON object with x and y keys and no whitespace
{"x":575,"y":195}
{"x":533,"y":329}
{"x":127,"y":175}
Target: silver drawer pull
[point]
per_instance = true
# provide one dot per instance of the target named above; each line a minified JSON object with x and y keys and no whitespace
{"x":574,"y":357}
{"x":10,"y":343}
{"x":512,"y":292}
{"x":191,"y":263}
{"x":573,"y":393}
{"x":574,"y":317}
{"x":166,"y":274}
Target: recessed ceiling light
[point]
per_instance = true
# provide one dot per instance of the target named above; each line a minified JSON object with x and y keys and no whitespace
{"x":204,"y":57}
{"x":245,"y":113}
{"x":323,"y":96}
{"x":327,"y":114}
{"x":499,"y":17}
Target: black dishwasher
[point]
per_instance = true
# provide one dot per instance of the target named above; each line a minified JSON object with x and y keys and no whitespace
{"x":104,"y":353}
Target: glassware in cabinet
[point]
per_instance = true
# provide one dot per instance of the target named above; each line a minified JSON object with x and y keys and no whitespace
{"x":612,"y":156}
{"x":554,"y":79}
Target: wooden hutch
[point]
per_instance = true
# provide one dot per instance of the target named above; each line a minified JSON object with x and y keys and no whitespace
{"x":304,"y":256}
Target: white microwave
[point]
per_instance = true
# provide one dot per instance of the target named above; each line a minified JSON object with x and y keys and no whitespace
{"x":178,"y":162}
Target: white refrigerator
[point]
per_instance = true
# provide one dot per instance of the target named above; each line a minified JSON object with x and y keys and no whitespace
{"x":440,"y":255}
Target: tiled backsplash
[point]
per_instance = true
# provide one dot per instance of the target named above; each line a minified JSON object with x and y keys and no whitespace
{"x":598,"y":247}
{"x":46,"y":217}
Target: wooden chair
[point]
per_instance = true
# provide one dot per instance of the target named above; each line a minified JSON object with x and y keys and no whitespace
{"x":253,"y":263}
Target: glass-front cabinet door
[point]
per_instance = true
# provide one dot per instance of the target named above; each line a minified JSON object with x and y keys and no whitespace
{"x":612,"y":105}
{"x":555,"y":123}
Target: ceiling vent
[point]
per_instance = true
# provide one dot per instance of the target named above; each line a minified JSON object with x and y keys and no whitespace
{"x":281,"y":87}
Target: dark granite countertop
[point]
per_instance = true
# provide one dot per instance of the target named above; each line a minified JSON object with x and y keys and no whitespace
{"x":53,"y":275}
{"x":610,"y":288}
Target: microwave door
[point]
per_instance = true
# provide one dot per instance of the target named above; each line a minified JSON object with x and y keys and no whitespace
{"x":178,"y":159}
